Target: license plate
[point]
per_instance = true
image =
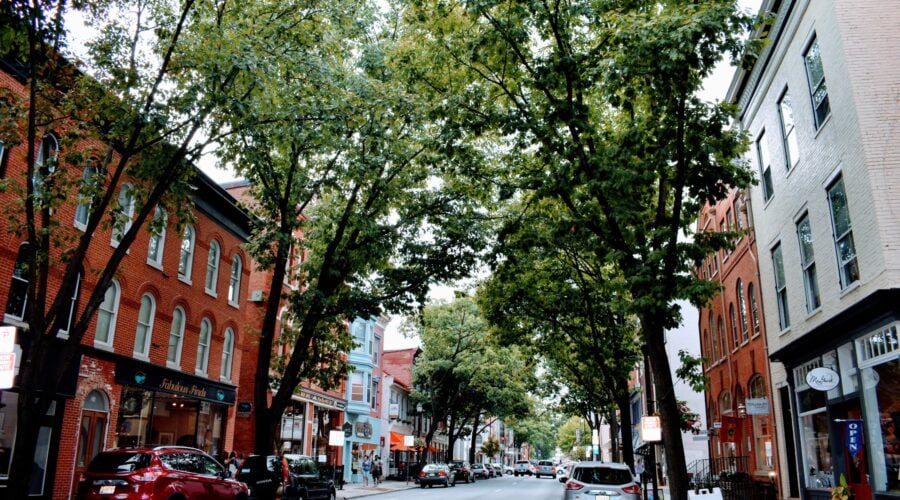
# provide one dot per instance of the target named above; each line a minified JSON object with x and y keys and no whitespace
{"x":108,"y":489}
{"x":602,"y":497}
{"x":432,"y":475}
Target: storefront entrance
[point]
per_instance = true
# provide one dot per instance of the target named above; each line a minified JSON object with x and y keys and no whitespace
{"x":92,"y":432}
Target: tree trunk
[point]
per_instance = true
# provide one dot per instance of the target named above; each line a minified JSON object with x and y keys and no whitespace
{"x":667,"y":408}
{"x":627,"y":447}
{"x":474,"y":434}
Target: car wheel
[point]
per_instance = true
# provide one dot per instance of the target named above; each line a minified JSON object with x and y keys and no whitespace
{"x":422,"y":485}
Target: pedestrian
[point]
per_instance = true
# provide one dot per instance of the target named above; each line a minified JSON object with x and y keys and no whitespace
{"x":366,"y":467}
{"x":232,"y":463}
{"x":376,"y":471}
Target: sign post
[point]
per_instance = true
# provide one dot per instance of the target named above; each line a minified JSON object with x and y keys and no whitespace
{"x":336,"y":438}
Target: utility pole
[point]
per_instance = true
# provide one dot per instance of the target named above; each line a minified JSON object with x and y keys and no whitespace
{"x":651,"y":459}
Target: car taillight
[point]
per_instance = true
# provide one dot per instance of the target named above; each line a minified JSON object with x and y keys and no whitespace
{"x":634,"y":489}
{"x":442,"y":473}
{"x":148,"y":474}
{"x":572,"y":485}
{"x":422,"y":474}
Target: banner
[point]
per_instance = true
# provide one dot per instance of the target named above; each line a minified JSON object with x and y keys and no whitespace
{"x":731,"y":429}
{"x":853,"y":431}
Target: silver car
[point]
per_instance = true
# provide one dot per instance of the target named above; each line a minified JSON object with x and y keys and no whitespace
{"x":600,"y":481}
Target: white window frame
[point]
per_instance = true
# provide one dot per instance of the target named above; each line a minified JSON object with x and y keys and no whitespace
{"x":143,"y":351}
{"x":186,"y":253}
{"x":113,"y":311}
{"x":83,"y":209}
{"x":212,"y":268}
{"x":357,"y":381}
{"x":126,"y":205}
{"x":808,"y":265}
{"x":203,"y":343}
{"x":37,"y":180}
{"x":788,"y":130}
{"x":227,"y":355}
{"x":844,"y":266}
{"x":20,"y":279}
{"x":742,"y":306}
{"x":765,"y":167}
{"x":234,"y":281}
{"x":819,"y":117}
{"x":176,"y":335}
{"x":64,"y":332}
{"x":780,"y":281}
{"x":158,"y":239}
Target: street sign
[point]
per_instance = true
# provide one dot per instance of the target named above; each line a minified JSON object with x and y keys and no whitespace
{"x":347,"y":428}
{"x":651,"y":429}
{"x":7,"y":369}
{"x":335,"y":438}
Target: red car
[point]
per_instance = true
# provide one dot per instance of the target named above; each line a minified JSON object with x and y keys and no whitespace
{"x":162,"y":472}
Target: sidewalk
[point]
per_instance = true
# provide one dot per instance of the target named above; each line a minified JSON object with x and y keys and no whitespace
{"x":358,"y":490}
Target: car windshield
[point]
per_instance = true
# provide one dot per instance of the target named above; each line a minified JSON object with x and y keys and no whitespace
{"x":303,"y":466}
{"x":119,"y":462}
{"x":431,"y":468}
{"x":601,"y":475}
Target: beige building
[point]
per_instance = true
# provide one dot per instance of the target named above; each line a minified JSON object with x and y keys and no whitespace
{"x":821,"y":105}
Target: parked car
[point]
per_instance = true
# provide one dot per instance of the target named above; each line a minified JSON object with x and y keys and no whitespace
{"x":433,"y":474}
{"x":293,"y":477}
{"x":612,"y":480}
{"x":462,"y":471}
{"x":561,"y":470}
{"x":523,"y":468}
{"x":498,"y":470}
{"x":157,"y":472}
{"x":508,"y":469}
{"x":479,"y":470}
{"x":545,"y":468}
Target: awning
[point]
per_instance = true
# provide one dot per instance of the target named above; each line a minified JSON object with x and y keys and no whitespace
{"x":368,"y":446}
{"x":397,"y":442}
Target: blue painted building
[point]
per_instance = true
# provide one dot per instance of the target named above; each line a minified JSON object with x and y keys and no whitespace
{"x":364,"y":396}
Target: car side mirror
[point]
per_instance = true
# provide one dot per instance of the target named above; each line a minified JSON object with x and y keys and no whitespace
{"x":563,"y":479}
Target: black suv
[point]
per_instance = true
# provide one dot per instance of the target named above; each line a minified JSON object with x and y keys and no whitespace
{"x":290,"y":477}
{"x":462,"y":471}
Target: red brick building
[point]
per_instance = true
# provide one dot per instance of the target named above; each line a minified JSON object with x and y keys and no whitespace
{"x":733,"y":342}
{"x":160,"y":359}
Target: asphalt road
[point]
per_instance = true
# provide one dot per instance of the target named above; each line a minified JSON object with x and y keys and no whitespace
{"x":501,"y":488}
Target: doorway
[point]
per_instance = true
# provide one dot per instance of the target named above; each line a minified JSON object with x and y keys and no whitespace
{"x":91,"y":433}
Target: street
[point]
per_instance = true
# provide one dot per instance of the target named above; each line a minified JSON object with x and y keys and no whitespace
{"x":506,"y":487}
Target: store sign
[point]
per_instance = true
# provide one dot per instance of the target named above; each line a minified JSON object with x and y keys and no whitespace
{"x":153,"y":378}
{"x":244,"y":408}
{"x":651,"y":429}
{"x":364,"y":430}
{"x":822,"y":379}
{"x":347,"y":429}
{"x":7,"y":356}
{"x":757,"y":406}
{"x":854,"y":433}
{"x":321,"y":399}
{"x":394,"y":411}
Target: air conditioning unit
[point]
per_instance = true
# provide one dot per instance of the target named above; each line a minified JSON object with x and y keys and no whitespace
{"x":256,"y":296}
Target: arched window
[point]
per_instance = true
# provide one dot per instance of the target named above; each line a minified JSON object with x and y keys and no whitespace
{"x":707,"y":352}
{"x":73,"y":301}
{"x":157,"y":238}
{"x":762,"y":430}
{"x":48,"y":153}
{"x":715,"y":339}
{"x":734,"y":328}
{"x":725,"y":407}
{"x":176,"y":337}
{"x":203,"y":346}
{"x":723,"y":342}
{"x":212,"y":267}
{"x":227,"y":354}
{"x":124,"y":214}
{"x":234,"y":284}
{"x":85,"y":197}
{"x":17,"y":302}
{"x":754,"y":309}
{"x":144,"y":332}
{"x":186,"y":260}
{"x":106,"y":316}
{"x":742,"y":307}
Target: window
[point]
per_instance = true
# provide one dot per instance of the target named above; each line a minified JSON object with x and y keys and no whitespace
{"x":227,"y":353}
{"x":106,"y":316}
{"x":706,"y":347}
{"x":17,"y":303}
{"x":85,"y":197}
{"x":808,"y":263}
{"x":176,"y":336}
{"x":742,"y":306}
{"x":762,"y":429}
{"x":234,"y":284}
{"x":123,"y":215}
{"x":843,"y":234}
{"x":723,"y":338}
{"x":754,"y":309}
{"x":44,"y":166}
{"x":356,"y":386}
{"x":3,"y":150}
{"x":203,"y":346}
{"x":738,"y":215}
{"x":157,"y":238}
{"x":185,"y":260}
{"x":73,"y":302}
{"x":358,"y":333}
{"x":144,"y":332}
{"x":815,"y":74}
{"x":735,"y":340}
{"x":374,"y":396}
{"x":788,"y":133}
{"x":784,"y":318}
{"x":765,"y":170}
{"x":212,"y":267}
{"x":377,"y":348}
{"x":715,"y":339}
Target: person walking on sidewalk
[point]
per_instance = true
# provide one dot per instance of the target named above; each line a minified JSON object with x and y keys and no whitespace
{"x":366,"y":467}
{"x":376,"y":471}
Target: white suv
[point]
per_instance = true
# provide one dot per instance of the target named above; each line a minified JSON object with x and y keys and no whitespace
{"x":523,"y":468}
{"x":545,"y":468}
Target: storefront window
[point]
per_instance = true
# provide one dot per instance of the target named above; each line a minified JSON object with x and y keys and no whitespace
{"x":762,"y":432}
{"x":883,"y":401}
{"x":816,"y":453}
{"x":8,"y":423}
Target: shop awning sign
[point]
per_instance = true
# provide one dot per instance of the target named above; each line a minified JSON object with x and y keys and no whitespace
{"x":853,"y":431}
{"x":822,"y":379}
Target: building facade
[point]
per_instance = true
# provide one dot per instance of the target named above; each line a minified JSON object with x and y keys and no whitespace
{"x":739,"y":410}
{"x":364,"y":396}
{"x":820,"y":106}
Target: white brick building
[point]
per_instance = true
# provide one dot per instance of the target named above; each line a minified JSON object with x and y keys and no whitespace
{"x":822,"y":108}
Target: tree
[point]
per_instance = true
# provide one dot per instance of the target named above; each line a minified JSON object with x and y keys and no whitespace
{"x":490,"y":448}
{"x":118,"y":134}
{"x":595,"y":106}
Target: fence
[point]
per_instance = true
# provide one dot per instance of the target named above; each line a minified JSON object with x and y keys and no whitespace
{"x":731,"y":475}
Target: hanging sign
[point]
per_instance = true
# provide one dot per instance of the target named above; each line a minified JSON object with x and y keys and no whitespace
{"x":651,"y":429}
{"x":822,"y":379}
{"x":853,"y":431}
{"x":757,"y":406}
